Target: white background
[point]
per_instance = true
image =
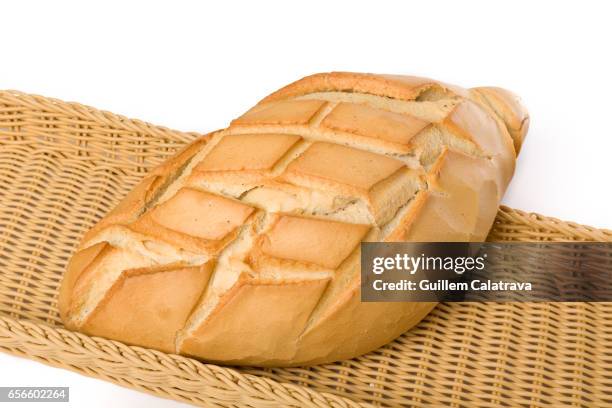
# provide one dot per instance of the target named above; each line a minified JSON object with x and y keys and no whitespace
{"x":191,"y":66}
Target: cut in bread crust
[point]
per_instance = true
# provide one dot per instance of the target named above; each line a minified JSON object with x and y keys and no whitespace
{"x":244,"y":248}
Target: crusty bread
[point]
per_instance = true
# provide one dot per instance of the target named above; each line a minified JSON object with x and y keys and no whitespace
{"x":244,"y":247}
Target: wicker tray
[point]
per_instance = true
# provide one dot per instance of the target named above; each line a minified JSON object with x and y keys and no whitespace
{"x":63,"y":165}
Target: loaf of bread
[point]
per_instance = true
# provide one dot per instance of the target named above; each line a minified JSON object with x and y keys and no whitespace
{"x":244,"y":248}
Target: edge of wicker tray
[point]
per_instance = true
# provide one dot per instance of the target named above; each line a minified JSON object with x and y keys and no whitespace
{"x":151,"y":371}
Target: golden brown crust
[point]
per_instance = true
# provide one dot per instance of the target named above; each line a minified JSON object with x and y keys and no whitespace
{"x":338,"y":336}
{"x":258,"y":308}
{"x":460,"y":205}
{"x":136,"y":201}
{"x":372,"y":122}
{"x":509,"y":108}
{"x":291,"y":238}
{"x":401,"y":87}
{"x":244,"y":248}
{"x":80,"y":261}
{"x":147,"y":307}
{"x":470,"y":121}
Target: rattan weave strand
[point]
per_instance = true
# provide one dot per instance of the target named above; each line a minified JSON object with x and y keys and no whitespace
{"x":63,"y":165}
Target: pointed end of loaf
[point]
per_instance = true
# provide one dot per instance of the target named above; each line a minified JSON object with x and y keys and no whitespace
{"x":509,"y":108}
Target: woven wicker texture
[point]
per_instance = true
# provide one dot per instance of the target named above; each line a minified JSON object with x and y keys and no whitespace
{"x":64,"y":165}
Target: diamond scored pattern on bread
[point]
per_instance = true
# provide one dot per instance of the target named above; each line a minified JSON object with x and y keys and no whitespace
{"x":244,"y":248}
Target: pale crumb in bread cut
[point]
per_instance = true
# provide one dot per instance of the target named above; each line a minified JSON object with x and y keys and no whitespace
{"x":222,"y":187}
{"x":375,"y":207}
{"x":430,"y":142}
{"x":291,"y":199}
{"x":232,"y":257}
{"x":410,"y":159}
{"x":151,"y":200}
{"x":179,"y":181}
{"x":309,"y":199}
{"x":159,"y":252}
{"x":431,"y":111}
{"x":436,"y":93}
{"x":295,"y":199}
{"x":407,"y":209}
{"x":387,"y":196}
{"x":228,"y":270}
{"x":296,"y":151}
{"x":356,"y":211}
{"x":323,"y":112}
{"x":285,"y":270}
